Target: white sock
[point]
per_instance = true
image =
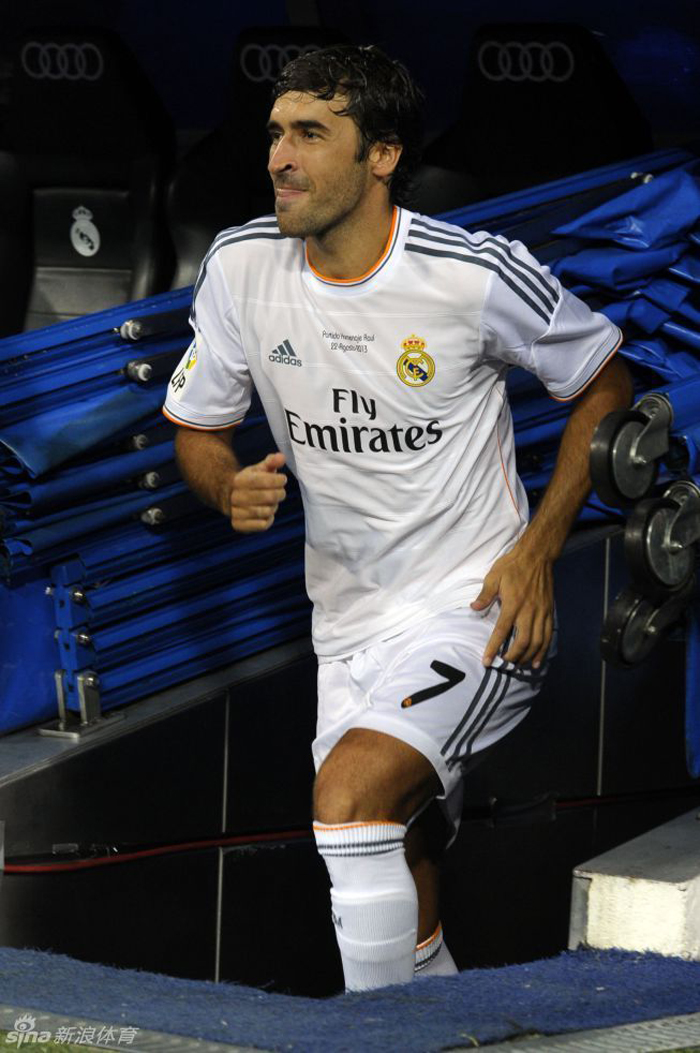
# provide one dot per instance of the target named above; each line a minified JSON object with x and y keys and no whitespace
{"x":374,"y":901}
{"x":433,"y":957}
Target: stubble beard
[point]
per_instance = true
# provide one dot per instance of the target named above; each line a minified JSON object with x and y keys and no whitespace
{"x":317,"y":219}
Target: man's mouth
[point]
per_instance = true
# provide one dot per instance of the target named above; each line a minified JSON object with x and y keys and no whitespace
{"x":283,"y":190}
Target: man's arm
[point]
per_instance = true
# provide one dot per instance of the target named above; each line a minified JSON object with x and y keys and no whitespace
{"x":522,"y":579}
{"x":249,"y":496}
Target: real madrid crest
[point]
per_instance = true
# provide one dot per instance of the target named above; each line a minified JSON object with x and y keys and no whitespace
{"x":415,"y":367}
{"x":84,"y":235}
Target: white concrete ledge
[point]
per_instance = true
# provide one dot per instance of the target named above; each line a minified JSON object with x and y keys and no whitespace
{"x":643,"y":895}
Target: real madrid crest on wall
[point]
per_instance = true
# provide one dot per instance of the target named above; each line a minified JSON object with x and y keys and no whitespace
{"x":84,"y":235}
{"x":415,"y":367}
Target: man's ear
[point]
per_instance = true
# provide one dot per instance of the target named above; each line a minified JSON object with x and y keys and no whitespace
{"x":384,"y":158}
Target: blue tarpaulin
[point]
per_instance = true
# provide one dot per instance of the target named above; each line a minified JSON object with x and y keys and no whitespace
{"x":651,"y":216}
{"x":50,"y":439}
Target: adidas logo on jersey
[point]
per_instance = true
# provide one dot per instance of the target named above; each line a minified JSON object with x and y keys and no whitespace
{"x":285,"y":354}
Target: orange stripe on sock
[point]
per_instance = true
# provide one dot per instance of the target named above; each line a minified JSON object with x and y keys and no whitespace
{"x":431,"y":939}
{"x":351,"y":826}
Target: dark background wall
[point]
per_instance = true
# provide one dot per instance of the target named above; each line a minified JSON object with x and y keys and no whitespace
{"x":186,"y":46}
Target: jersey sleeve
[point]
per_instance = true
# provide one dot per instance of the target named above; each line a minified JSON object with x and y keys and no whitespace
{"x":529,"y":319}
{"x":211,"y":386}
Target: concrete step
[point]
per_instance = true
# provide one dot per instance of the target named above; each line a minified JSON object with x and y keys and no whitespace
{"x":643,"y":895}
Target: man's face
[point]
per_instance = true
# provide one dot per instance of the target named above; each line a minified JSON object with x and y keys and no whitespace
{"x":313,"y":163}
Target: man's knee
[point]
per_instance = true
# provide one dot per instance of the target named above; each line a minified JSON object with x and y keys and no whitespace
{"x":371,"y":776}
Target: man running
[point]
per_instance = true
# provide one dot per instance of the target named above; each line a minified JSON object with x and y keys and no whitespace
{"x":379,"y":342}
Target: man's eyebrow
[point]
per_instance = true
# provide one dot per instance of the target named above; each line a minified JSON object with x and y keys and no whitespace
{"x":275,"y":126}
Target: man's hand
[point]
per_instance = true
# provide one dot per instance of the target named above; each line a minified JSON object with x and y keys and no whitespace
{"x":522,"y":579}
{"x":255,"y":494}
{"x":524,"y":585}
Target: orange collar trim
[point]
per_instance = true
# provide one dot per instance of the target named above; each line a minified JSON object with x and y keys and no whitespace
{"x":383,"y":259}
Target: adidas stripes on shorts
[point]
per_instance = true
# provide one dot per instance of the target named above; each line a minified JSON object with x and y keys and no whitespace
{"x":427,"y":686}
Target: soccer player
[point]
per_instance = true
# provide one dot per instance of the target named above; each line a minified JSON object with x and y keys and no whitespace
{"x":379,"y":341}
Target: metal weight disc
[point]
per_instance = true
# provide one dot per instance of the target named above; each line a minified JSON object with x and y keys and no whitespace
{"x":624,"y":640}
{"x":655,"y":567}
{"x":616,"y":478}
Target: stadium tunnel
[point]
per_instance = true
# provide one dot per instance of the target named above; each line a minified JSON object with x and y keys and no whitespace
{"x":146,"y":652}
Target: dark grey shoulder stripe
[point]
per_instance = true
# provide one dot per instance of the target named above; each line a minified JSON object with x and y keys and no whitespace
{"x":257,"y":235}
{"x":265,"y":223}
{"x":270,"y":220}
{"x":234,"y":239}
{"x":549,"y":286}
{"x":463,"y":235}
{"x":488,"y":265}
{"x":545,"y":291}
{"x":430,"y":224}
{"x":547,"y":299}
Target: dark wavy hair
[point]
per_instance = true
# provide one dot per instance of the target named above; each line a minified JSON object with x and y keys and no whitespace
{"x":382,"y":98}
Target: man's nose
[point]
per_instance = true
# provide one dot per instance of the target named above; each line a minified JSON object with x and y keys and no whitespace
{"x":281,"y":156}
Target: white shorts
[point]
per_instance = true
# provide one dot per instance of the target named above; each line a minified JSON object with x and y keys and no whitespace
{"x":427,"y":686}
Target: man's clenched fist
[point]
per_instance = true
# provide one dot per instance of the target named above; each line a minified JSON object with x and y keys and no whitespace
{"x":255,"y":494}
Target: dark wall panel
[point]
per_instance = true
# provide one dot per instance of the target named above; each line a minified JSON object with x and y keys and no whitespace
{"x":276,"y":925}
{"x":157,"y":914}
{"x":272,"y":723}
{"x":161,"y":782}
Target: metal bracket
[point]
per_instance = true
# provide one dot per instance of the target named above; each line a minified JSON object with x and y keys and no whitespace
{"x":154,"y":324}
{"x":653,"y":440}
{"x":139,"y":370}
{"x":71,"y":725}
{"x":684,"y":528}
{"x":61,"y":696}
{"x":89,"y":696}
{"x":155,"y":367}
{"x":669,"y":612}
{"x":131,"y":329}
{"x":634,"y":624}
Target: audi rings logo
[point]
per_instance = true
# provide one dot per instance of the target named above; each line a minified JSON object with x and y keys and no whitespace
{"x":47,"y":61}
{"x":533,"y":61}
{"x":261,"y":62}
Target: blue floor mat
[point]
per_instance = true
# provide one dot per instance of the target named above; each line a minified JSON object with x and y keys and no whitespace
{"x":575,"y":991}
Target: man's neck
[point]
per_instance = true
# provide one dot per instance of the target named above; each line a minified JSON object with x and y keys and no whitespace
{"x":352,"y":248}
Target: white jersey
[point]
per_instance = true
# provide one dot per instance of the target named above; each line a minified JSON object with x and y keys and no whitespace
{"x":386,"y":394}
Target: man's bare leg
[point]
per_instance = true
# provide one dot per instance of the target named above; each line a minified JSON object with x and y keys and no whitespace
{"x":423,"y":862}
{"x":366,"y":791}
{"x":425,"y":845}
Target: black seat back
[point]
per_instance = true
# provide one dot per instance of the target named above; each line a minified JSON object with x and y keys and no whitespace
{"x":94,"y":144}
{"x":542,"y":101}
{"x":223,"y":180}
